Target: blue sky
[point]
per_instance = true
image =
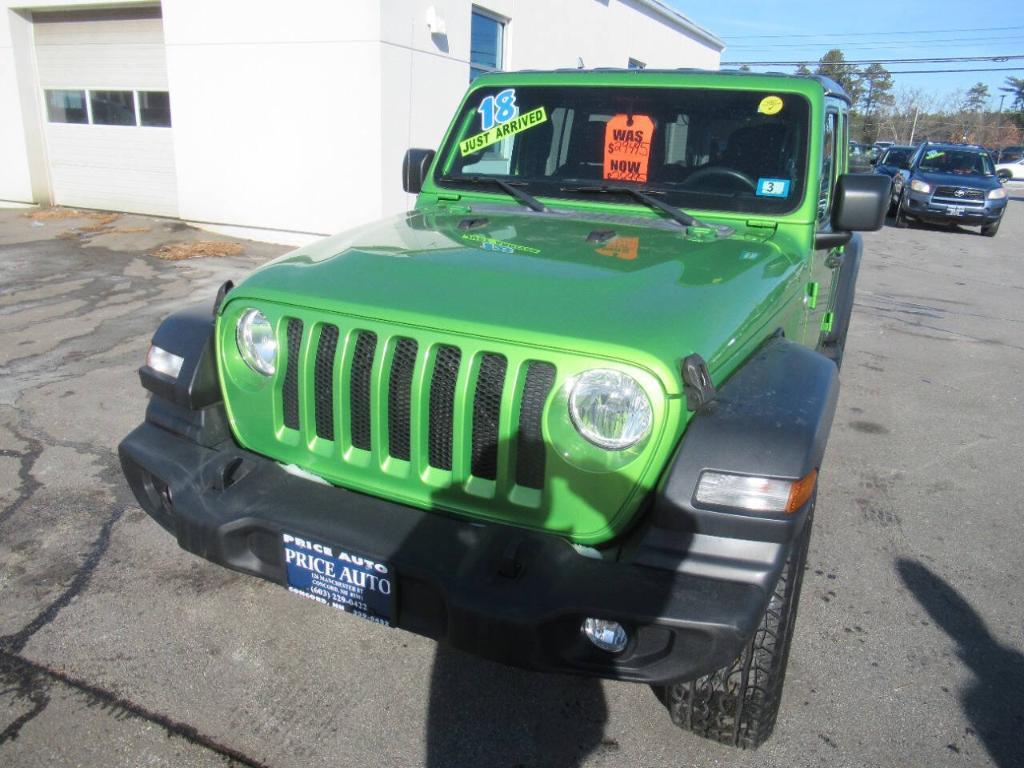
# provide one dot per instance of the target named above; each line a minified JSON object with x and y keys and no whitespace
{"x":873,"y":29}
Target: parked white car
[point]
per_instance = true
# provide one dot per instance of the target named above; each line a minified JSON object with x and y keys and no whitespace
{"x":1014,"y":170}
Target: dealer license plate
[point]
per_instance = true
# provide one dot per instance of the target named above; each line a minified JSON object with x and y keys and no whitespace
{"x":340,"y":578}
{"x":955,"y":210}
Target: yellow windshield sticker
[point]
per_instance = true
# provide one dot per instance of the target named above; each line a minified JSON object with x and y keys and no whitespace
{"x":493,"y":135}
{"x":770,"y":105}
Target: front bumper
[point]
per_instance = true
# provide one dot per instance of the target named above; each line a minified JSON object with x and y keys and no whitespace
{"x":920,"y":205}
{"x":497,"y":591}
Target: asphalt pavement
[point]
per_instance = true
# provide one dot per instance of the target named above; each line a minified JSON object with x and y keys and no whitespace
{"x":119,"y":649}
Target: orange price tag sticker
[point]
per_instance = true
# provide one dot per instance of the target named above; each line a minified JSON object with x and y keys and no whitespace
{"x":627,"y":147}
{"x":624,"y":248}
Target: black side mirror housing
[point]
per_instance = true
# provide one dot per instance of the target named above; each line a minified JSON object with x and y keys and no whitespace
{"x":414,"y":169}
{"x":859,"y":204}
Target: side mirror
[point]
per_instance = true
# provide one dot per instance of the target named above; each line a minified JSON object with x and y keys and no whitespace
{"x":858,"y":205}
{"x":414,"y":169}
{"x":874,"y":160}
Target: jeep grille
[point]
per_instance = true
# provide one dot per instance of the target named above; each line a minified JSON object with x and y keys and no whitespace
{"x":391,"y":373}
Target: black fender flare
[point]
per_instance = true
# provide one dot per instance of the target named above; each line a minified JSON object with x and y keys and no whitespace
{"x":833,"y":342}
{"x":771,"y":418}
{"x":191,"y":404}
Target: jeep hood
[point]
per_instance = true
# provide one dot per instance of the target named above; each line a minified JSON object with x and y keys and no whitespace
{"x":638,"y":290}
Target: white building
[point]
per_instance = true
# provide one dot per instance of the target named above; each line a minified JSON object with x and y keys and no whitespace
{"x":287,"y":117}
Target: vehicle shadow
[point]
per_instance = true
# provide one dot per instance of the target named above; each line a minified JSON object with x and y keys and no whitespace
{"x":485,"y":714}
{"x":890,"y":221}
{"x":992,"y":702}
{"x":481,"y":713}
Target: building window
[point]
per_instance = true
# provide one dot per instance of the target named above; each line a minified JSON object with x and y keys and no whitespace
{"x":66,"y":107}
{"x":485,"y":44}
{"x":636,"y":64}
{"x":112,"y":107}
{"x":155,"y":109}
{"x":150,"y":109}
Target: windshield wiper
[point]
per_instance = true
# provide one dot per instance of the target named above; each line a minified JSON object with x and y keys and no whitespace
{"x":525,"y":198}
{"x":645,"y":197}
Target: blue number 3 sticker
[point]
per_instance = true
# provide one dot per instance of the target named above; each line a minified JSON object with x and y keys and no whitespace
{"x":773,"y":187}
{"x":497,"y":109}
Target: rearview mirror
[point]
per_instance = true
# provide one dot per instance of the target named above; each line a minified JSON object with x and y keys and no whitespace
{"x":858,"y":205}
{"x":414,"y":169}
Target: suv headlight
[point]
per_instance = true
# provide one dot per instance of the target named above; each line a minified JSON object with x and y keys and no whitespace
{"x":920,"y":186}
{"x":610,"y":409}
{"x":256,"y":342}
{"x":996,"y":194}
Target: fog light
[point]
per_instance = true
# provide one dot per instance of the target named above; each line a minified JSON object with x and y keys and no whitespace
{"x":606,"y":635}
{"x":162,"y":361}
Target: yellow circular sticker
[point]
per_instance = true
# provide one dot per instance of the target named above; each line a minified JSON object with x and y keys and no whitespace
{"x":770,"y":105}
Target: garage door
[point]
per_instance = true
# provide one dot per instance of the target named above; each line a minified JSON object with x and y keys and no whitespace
{"x":108,"y":120}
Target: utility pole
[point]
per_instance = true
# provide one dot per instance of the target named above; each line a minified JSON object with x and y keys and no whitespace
{"x":1002,"y":98}
{"x":866,"y":132}
{"x":914,"y":126}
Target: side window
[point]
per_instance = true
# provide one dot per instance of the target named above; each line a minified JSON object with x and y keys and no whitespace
{"x":828,"y":163}
{"x":845,"y":143}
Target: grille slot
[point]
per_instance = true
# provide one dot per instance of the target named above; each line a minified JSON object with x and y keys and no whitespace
{"x":290,"y":391}
{"x":323,"y":381}
{"x":442,"y":406}
{"x":400,"y":397}
{"x":359,"y":389}
{"x":969,"y":196}
{"x":540,"y":377}
{"x":486,"y":411}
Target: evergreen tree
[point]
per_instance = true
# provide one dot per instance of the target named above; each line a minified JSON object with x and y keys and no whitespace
{"x":834,"y":65}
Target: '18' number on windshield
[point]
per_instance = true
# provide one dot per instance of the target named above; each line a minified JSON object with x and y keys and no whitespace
{"x":497,"y":109}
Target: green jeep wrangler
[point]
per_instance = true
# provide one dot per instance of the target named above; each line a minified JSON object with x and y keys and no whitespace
{"x":569,"y":412}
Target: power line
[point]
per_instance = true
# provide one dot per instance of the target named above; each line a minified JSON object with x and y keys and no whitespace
{"x":877,"y":33}
{"x":938,"y":71}
{"x":883,"y":43}
{"x":932,"y":60}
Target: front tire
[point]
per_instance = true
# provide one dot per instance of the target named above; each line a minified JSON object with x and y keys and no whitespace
{"x":738,"y":704}
{"x":989,"y":230}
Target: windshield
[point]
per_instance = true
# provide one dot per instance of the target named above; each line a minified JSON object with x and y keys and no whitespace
{"x":696,"y":148}
{"x":897,"y":157}
{"x":957,"y":161}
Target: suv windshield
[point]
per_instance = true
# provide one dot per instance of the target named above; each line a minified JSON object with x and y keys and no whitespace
{"x":962,"y":162}
{"x":897,"y":157}
{"x":696,"y":148}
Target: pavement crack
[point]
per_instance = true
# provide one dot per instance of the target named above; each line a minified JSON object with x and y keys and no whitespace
{"x":18,"y":681}
{"x":16,"y":642}
{"x":27,"y":484}
{"x":34,"y":678}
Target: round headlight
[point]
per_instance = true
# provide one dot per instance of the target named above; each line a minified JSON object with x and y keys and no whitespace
{"x":610,"y":409}
{"x":256,"y":342}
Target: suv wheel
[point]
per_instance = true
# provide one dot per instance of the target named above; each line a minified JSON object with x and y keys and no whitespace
{"x":989,"y":230}
{"x":738,"y":704}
